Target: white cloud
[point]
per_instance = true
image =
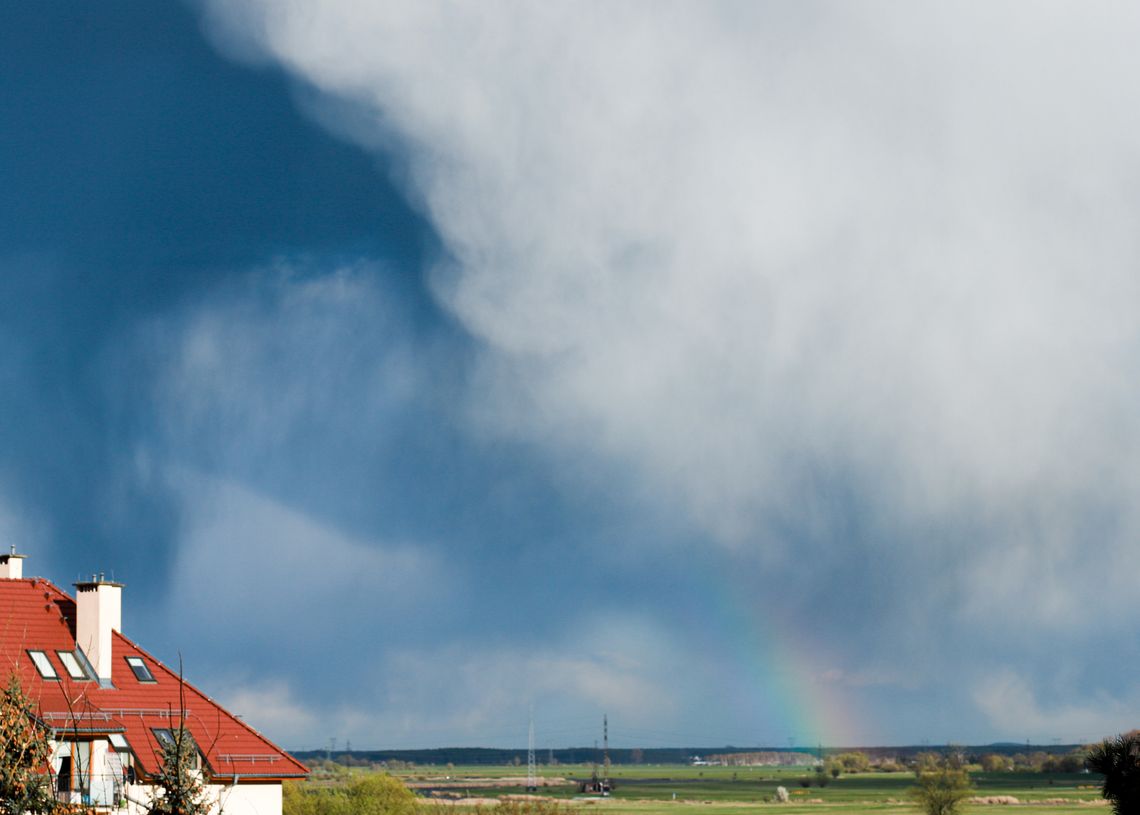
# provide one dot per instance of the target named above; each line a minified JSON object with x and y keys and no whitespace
{"x":273,"y":709}
{"x":432,"y":694}
{"x":791,"y":266}
{"x":1009,"y":701}
{"x":247,"y":366}
{"x":481,"y":694}
{"x":747,"y":250}
{"x":270,"y":569}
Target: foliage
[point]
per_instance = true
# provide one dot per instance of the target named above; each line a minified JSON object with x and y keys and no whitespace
{"x":1118,"y":760}
{"x":996,"y":763}
{"x":853,"y":762}
{"x":179,"y":787}
{"x":371,"y":794}
{"x":941,"y":790}
{"x":926,"y":761}
{"x":25,"y":753}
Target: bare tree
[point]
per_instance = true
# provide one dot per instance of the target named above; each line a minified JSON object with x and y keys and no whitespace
{"x":179,"y":787}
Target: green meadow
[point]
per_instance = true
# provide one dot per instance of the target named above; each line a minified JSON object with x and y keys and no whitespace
{"x":690,"y":790}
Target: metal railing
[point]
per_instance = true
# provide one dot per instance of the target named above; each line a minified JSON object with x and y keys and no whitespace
{"x":102,"y":790}
{"x":252,"y":758}
{"x":106,"y":715}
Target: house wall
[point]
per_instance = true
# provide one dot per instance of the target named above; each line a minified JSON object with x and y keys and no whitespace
{"x":96,"y":768}
{"x":236,"y":799}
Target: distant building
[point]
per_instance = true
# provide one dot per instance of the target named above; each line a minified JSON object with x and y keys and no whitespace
{"x":111,"y":705}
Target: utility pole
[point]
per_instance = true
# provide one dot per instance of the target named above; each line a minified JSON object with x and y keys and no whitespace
{"x":531,"y":773}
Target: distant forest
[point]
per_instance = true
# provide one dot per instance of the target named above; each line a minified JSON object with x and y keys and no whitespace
{"x":440,"y":756}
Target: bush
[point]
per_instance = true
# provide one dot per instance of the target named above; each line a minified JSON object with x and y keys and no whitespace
{"x":941,"y":791}
{"x":371,"y":794}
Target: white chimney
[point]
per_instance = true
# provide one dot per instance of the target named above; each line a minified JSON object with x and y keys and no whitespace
{"x":11,"y":565}
{"x":98,"y":612}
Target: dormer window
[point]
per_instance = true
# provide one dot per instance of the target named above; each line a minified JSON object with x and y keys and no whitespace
{"x":43,"y":664}
{"x":75,"y":667}
{"x":139,"y":668}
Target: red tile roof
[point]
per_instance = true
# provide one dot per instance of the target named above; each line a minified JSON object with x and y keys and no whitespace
{"x":36,"y":615}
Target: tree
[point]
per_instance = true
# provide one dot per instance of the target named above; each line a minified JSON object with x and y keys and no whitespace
{"x":1118,"y":760}
{"x":941,"y":790}
{"x":25,"y":754}
{"x":853,"y":762}
{"x":179,"y":789}
{"x":179,"y":779}
{"x":996,"y":763}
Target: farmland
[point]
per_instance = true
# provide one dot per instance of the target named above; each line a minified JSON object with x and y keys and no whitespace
{"x":711,"y":790}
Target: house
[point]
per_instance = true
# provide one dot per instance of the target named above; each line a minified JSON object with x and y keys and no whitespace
{"x":111,"y":705}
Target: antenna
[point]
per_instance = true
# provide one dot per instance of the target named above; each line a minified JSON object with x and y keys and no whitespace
{"x":531,"y":774}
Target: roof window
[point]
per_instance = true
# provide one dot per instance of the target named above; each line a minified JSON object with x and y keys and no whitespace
{"x":73,"y":665}
{"x":141,"y":671}
{"x":119,"y":742}
{"x":43,"y":664}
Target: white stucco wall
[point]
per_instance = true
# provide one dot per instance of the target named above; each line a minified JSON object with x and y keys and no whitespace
{"x":98,"y":770}
{"x":237,"y":799}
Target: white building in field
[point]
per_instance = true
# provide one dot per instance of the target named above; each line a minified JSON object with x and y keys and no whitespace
{"x":112,"y":705}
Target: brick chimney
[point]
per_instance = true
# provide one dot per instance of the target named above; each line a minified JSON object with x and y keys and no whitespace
{"x":11,"y":565}
{"x":98,"y":612}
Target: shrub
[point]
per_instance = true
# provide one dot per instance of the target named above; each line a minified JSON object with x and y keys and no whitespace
{"x":371,"y":794}
{"x":941,"y":791}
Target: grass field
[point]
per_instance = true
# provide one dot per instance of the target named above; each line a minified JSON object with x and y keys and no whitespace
{"x":688,"y":790}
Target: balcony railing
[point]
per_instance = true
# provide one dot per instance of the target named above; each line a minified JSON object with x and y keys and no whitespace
{"x":103,"y":790}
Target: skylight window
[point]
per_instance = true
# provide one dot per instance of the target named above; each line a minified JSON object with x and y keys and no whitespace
{"x":43,"y":664}
{"x":167,"y":740}
{"x":140,"y":669}
{"x":74,"y":667}
{"x":119,"y":742}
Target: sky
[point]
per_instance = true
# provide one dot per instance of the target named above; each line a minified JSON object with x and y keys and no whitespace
{"x":748,"y":373}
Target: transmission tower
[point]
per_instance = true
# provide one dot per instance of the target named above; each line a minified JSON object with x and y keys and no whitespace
{"x":606,"y":751}
{"x":607,"y":785}
{"x":531,"y":774}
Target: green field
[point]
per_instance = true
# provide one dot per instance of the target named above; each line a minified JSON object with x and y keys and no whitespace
{"x":689,"y":790}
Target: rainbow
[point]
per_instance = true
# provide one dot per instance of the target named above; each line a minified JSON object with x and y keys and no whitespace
{"x":783,"y":683}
